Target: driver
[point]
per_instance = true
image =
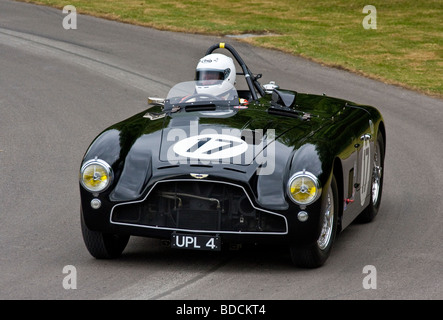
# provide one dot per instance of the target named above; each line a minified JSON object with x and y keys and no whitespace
{"x":215,"y":76}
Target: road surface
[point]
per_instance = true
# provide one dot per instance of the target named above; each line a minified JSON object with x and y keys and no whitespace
{"x":59,"y":88}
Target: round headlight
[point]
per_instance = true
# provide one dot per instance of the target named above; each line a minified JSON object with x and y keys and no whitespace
{"x":96,"y":175}
{"x":304,"y":188}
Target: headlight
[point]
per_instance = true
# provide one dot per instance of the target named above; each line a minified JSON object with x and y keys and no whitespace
{"x":96,"y":175}
{"x":304,"y":188}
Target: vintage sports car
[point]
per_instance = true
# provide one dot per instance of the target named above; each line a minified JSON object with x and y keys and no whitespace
{"x":211,"y":165}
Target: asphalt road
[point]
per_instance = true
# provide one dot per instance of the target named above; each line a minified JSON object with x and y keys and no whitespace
{"x":59,"y":88}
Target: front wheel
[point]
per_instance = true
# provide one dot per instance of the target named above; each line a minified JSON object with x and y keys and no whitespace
{"x":315,"y":254}
{"x":103,"y":245}
{"x":377,"y":183}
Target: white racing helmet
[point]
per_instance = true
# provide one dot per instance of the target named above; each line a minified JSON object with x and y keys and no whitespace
{"x":215,"y":74}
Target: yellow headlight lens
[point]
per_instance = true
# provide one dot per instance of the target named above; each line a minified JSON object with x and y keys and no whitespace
{"x":303,"y":188}
{"x":95,"y":175}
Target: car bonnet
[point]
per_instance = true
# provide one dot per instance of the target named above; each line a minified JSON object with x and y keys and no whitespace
{"x":229,"y":136}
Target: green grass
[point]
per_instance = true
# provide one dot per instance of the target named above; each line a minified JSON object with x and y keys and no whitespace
{"x":406,"y":49}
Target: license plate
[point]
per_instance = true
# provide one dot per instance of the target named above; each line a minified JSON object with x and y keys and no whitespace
{"x":195,"y":242}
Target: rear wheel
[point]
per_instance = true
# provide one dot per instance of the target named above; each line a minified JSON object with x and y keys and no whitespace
{"x":315,"y":254}
{"x":103,"y":245}
{"x":377,"y":183}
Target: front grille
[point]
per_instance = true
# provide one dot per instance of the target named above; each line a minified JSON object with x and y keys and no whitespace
{"x":199,"y":206}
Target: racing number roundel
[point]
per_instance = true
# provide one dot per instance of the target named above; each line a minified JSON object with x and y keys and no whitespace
{"x":210,"y":147}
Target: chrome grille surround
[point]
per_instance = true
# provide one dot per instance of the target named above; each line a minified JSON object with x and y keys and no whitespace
{"x":203,"y":211}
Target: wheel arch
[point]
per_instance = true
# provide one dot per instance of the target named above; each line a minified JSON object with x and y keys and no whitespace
{"x":382,"y":129}
{"x":337,"y":171}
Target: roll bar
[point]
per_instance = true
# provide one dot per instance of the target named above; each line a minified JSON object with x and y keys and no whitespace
{"x":251,"y":80}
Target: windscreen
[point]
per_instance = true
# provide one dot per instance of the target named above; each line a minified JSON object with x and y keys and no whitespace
{"x":195,"y":92}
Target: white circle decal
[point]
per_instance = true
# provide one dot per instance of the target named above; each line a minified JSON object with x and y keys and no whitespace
{"x":210,"y":147}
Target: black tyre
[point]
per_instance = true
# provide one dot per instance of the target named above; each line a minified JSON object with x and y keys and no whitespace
{"x":101,"y":245}
{"x":377,"y":183}
{"x":315,"y":254}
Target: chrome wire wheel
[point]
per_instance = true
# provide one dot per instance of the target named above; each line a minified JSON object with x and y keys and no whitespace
{"x":315,"y":254}
{"x":328,"y":223}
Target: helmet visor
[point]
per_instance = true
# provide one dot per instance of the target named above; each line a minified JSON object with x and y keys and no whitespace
{"x":209,"y":77}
